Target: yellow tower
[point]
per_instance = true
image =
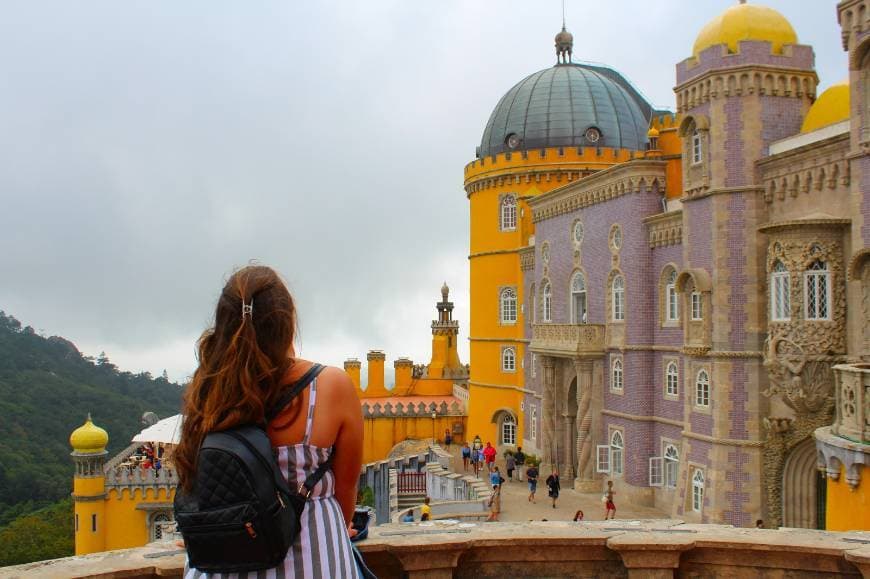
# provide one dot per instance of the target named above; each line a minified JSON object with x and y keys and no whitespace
{"x":445,"y":357}
{"x":550,"y":129}
{"x":352,"y":367}
{"x":375,"y":387}
{"x":89,"y":487}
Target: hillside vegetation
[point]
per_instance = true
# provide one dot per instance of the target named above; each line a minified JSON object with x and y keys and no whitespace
{"x":47,"y":389}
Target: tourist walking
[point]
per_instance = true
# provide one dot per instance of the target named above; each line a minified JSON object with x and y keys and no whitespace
{"x":466,"y":456}
{"x":477,"y":443}
{"x":495,"y":477}
{"x":448,"y":438}
{"x":520,"y":458}
{"x":494,"y":504}
{"x":510,"y":463}
{"x":489,"y":455}
{"x":553,"y":486}
{"x":609,"y":505}
{"x":481,"y":459}
{"x":247,"y":364}
{"x":532,"y":477}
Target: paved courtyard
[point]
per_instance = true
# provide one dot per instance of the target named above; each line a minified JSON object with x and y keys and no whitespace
{"x":516,"y":507}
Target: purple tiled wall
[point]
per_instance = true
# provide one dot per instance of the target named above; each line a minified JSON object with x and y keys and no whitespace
{"x":739,"y":475}
{"x":699,"y":215}
{"x":735,"y":159}
{"x":638,"y":439}
{"x":662,"y":406}
{"x":781,"y":117}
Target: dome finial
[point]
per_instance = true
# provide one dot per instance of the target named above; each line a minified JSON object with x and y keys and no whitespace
{"x":445,"y":291}
{"x":564,"y":42}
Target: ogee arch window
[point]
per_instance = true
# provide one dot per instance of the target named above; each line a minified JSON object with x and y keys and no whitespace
{"x":508,"y":306}
{"x":509,"y":213}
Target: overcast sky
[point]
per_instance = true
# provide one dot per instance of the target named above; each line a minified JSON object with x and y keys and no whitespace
{"x":148,"y":148}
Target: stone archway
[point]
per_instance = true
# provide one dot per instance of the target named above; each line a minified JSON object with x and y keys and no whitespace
{"x":799,"y":487}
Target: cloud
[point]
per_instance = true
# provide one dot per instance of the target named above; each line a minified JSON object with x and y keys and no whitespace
{"x":150,"y":149}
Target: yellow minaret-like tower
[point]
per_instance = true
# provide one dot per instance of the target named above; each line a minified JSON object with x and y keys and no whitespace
{"x":89,"y":487}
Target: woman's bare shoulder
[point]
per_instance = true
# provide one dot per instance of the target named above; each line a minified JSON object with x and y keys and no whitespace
{"x":334,"y":382}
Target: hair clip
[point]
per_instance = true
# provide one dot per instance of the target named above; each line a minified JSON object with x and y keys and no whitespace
{"x":248,"y":309}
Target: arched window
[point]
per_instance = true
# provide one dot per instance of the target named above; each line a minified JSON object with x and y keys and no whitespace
{"x":817,"y":291}
{"x":548,"y":304}
{"x":616,"y":446}
{"x":616,"y":382}
{"x":696,"y":146}
{"x":702,"y":389}
{"x":509,"y":213}
{"x":618,"y":292}
{"x":672,"y":379}
{"x":697,"y":490}
{"x":157,"y":525}
{"x":780,"y":293}
{"x":508,"y":306}
{"x":672,"y":465}
{"x":672,"y":308}
{"x":508,"y":360}
{"x":508,"y":429}
{"x":578,"y":298}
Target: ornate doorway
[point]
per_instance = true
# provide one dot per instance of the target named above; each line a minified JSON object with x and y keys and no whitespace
{"x":800,"y":487}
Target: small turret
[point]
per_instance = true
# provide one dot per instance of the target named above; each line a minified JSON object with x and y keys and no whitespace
{"x":564,"y":46}
{"x":89,"y":487}
{"x":352,"y":367}
{"x":375,"y":387}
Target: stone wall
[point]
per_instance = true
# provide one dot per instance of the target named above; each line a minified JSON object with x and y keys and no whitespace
{"x":632,"y":549}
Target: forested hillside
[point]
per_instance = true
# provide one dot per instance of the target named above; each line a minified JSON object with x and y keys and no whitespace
{"x":47,"y":388}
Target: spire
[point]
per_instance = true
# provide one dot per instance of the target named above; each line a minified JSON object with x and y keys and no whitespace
{"x":564,"y":42}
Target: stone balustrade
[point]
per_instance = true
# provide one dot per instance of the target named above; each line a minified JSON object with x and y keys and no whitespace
{"x":124,"y":477}
{"x":621,"y":548}
{"x":852,"y":391}
{"x":569,"y":340}
{"x":374,"y":408}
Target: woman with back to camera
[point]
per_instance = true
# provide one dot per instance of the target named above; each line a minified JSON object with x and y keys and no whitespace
{"x":246,"y":362}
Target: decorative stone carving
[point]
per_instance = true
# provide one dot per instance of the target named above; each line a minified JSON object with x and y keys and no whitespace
{"x":716,"y":84}
{"x":805,"y":386}
{"x":568,"y":339}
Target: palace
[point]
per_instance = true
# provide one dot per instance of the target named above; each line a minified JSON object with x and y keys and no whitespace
{"x":663,"y":299}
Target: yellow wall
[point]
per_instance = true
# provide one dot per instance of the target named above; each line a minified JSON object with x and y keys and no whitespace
{"x":127,"y":526}
{"x":382,"y":434}
{"x":494,"y":263}
{"x":86,"y":540}
{"x":847,"y":509}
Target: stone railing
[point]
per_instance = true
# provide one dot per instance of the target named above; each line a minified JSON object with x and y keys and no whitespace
{"x":634,"y":549}
{"x":568,"y":339}
{"x":852,"y":391}
{"x":372,"y":408}
{"x":128,"y":477}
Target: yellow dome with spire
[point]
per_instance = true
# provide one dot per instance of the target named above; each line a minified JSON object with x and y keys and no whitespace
{"x":746,"y":22}
{"x":831,"y":107}
{"x":89,"y":438}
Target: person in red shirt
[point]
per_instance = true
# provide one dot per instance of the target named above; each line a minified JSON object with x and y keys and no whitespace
{"x":489,"y":456}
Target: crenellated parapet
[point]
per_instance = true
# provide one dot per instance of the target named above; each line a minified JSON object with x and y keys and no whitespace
{"x":396,"y":408}
{"x":625,"y":179}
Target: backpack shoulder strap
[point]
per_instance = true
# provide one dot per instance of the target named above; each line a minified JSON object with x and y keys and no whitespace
{"x":293,"y":391}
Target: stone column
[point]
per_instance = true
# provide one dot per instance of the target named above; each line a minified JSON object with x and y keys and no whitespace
{"x":548,"y":410}
{"x":566,"y":471}
{"x":585,"y":480}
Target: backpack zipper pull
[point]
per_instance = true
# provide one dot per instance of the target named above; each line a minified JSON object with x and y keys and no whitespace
{"x":249,"y":527}
{"x":280,"y":500}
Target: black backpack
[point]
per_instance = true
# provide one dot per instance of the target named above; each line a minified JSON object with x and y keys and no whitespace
{"x":240,"y":514}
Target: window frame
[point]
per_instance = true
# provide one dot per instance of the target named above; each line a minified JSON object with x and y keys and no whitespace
{"x":617,"y":369}
{"x":671,"y":466}
{"x":617,"y":453}
{"x":617,"y":296}
{"x":602,"y":458}
{"x":703,"y":390}
{"x":508,"y":300}
{"x":547,"y":299}
{"x":780,"y":287}
{"x":699,"y":480}
{"x":508,"y":354}
{"x":573,"y":292}
{"x":672,"y":379}
{"x":697,"y":150}
{"x":672,"y":298}
{"x":508,"y":213}
{"x":697,"y":306}
{"x":817,"y":275}
{"x":656,"y":473}
{"x":508,"y":423}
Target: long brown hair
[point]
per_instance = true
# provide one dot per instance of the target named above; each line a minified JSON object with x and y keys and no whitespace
{"x":242,"y":360}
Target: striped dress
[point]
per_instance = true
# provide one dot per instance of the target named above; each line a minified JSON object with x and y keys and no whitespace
{"x":323,"y":547}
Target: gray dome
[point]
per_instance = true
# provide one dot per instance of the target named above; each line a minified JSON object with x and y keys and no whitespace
{"x":555,"y":107}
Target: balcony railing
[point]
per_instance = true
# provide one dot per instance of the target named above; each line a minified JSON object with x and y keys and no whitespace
{"x":852,"y":387}
{"x":568,"y":339}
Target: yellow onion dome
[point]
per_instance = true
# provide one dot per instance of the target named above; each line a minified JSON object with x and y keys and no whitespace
{"x":746,"y":22}
{"x":831,"y":107}
{"x":89,"y":438}
{"x":653,"y":132}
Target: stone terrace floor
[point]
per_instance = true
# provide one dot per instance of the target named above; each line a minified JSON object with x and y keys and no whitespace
{"x":516,"y":508}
